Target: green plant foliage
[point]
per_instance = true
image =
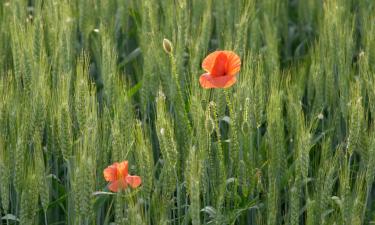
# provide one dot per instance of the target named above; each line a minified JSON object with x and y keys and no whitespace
{"x":87,"y":83}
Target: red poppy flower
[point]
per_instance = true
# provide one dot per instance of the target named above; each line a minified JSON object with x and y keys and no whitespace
{"x":119,"y":178}
{"x":221,"y":68}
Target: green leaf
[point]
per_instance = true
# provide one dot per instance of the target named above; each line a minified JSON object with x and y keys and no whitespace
{"x":10,"y":217}
{"x":134,"y":89}
{"x":131,"y":57}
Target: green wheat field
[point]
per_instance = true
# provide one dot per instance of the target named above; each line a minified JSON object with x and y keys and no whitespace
{"x":88,"y":83}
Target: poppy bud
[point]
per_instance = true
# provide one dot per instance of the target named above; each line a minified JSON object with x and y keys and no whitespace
{"x":167,"y":45}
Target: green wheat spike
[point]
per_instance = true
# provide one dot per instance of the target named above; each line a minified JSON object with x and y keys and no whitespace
{"x":294,"y":204}
{"x":5,"y":174}
{"x":29,"y":201}
{"x":193,"y":185}
{"x":65,"y":138}
{"x":144,"y":159}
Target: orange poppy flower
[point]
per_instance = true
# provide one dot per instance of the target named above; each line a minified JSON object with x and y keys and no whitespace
{"x":221,"y":68}
{"x":119,"y":178}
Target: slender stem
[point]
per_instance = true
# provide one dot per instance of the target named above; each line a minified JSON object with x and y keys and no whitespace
{"x":210,"y":95}
{"x":45,"y":218}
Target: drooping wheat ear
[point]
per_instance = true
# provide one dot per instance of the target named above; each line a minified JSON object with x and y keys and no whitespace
{"x":311,"y":212}
{"x":356,"y":120}
{"x":135,"y":212}
{"x":359,"y":199}
{"x":82,"y":187}
{"x":5,"y":160}
{"x":301,"y":139}
{"x":168,"y":180}
{"x":144,"y":158}
{"x":271,"y":63}
{"x":181,"y":115}
{"x":275,"y":153}
{"x":183,"y":25}
{"x":17,"y":55}
{"x":294,"y":204}
{"x":325,"y":183}
{"x":370,"y":170}
{"x":39,"y":114}
{"x":209,"y":125}
{"x":220,"y":169}
{"x":19,"y":164}
{"x":65,"y":138}
{"x":149,"y":73}
{"x":117,"y":142}
{"x":150,"y":47}
{"x":168,"y":146}
{"x":260,"y":95}
{"x":120,"y":209}
{"x":82,"y":103}
{"x":29,"y":200}
{"x":104,"y":145}
{"x":203,"y":128}
{"x":242,"y":30}
{"x":126,"y":121}
{"x":164,"y":126}
{"x":4,"y":176}
{"x":272,"y":201}
{"x":122,"y":135}
{"x":193,"y":180}
{"x":40,"y":170}
{"x":108,"y":66}
{"x":83,"y":177}
{"x":246,"y":137}
{"x":233,"y":132}
{"x":200,"y":45}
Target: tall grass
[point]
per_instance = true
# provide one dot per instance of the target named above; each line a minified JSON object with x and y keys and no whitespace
{"x":85,"y":83}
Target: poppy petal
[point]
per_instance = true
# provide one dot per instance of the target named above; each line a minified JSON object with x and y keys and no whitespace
{"x":209,"y":61}
{"x":220,"y":65}
{"x":233,"y":64}
{"x":113,"y":186}
{"x":208,"y":81}
{"x":134,"y":181}
{"x":123,"y":168}
{"x":110,"y":173}
{"x":118,"y":185}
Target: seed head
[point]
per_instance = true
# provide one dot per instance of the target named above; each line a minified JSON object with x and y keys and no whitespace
{"x":167,"y":45}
